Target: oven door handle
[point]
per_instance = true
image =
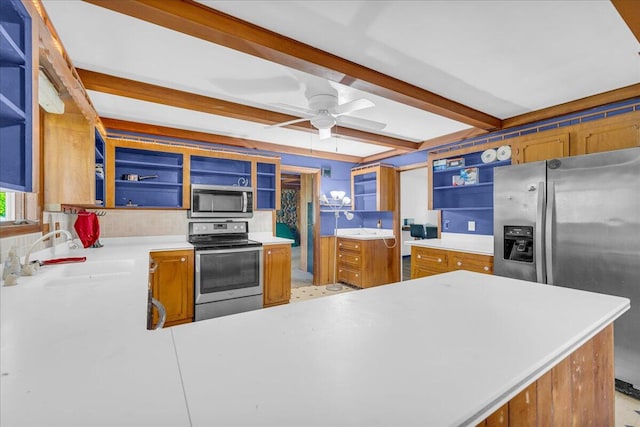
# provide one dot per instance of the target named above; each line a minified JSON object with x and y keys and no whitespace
{"x":228,"y":250}
{"x":244,"y":201}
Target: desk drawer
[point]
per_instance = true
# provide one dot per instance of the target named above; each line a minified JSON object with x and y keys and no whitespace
{"x":429,"y":259}
{"x":349,"y":245}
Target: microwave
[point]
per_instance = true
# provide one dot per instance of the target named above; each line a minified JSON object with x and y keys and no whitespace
{"x":221,"y":201}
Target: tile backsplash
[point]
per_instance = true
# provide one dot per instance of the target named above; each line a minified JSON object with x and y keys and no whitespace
{"x":124,"y":223}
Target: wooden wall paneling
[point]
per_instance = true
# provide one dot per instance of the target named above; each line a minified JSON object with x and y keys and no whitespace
{"x":561,"y":394}
{"x":324,"y":266}
{"x":578,"y":391}
{"x":604,"y":378}
{"x":522,"y":408}
{"x":582,"y":375}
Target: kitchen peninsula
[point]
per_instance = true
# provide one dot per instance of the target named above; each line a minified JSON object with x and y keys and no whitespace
{"x":438,"y":351}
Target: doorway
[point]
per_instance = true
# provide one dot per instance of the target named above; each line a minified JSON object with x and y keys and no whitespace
{"x":296,"y":220}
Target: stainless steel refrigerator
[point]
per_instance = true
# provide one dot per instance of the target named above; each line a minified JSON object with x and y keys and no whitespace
{"x":575,"y":222}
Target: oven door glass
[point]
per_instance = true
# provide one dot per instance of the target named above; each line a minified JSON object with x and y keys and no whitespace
{"x":228,"y":273}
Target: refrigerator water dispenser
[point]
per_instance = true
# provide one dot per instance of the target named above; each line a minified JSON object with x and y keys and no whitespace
{"x":518,"y":243}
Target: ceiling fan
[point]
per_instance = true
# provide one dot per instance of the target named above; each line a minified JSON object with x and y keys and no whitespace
{"x":324,"y":112}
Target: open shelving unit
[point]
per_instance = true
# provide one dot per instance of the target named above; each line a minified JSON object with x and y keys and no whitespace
{"x":266,"y":186}
{"x":460,"y":204}
{"x":100,"y":160}
{"x":164,"y":191}
{"x":220,"y":171}
{"x":15,"y":96}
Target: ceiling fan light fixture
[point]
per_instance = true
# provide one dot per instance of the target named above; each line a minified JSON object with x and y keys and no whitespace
{"x":323,"y":120}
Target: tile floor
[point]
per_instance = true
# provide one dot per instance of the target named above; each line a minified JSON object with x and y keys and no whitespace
{"x":627,"y":408}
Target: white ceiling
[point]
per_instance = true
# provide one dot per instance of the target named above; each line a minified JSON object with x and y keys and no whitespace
{"x":502,"y":58}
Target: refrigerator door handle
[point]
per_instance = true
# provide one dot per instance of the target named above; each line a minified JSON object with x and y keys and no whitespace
{"x":548,"y":242}
{"x":539,"y":238}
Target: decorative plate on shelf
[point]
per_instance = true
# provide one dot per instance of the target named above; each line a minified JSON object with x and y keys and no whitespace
{"x":504,"y":152}
{"x":489,"y":156}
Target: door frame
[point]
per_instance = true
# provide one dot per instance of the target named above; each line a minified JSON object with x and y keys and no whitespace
{"x":316,"y":210}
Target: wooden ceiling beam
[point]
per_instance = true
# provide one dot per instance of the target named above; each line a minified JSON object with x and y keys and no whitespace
{"x":197,"y":20}
{"x":629,"y":10}
{"x":156,"y":130}
{"x":582,"y":104}
{"x":162,"y":95}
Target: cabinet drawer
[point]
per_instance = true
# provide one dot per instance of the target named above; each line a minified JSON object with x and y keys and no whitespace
{"x":429,"y":259}
{"x":349,"y":245}
{"x":417,"y":272}
{"x":349,"y":276}
{"x":350,"y":259}
{"x":471,"y":262}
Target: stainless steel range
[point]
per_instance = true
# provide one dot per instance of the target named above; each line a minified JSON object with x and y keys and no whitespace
{"x":228,"y":270}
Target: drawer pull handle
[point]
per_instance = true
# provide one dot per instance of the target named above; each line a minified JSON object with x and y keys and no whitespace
{"x":183,"y":259}
{"x":356,"y":274}
{"x":419,"y":256}
{"x":439,"y":259}
{"x":356,"y":246}
{"x":486,"y":268}
{"x":340,"y":244}
{"x":459,"y":263}
{"x":356,"y":258}
{"x":268,"y":252}
{"x":340,"y":256}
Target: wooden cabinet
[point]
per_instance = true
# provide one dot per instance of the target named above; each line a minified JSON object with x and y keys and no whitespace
{"x":429,"y":261}
{"x":541,"y":148}
{"x":373,"y":188}
{"x":276,"y":274}
{"x":172,"y":285}
{"x":614,"y":134}
{"x":17,"y":59}
{"x":365,"y":263}
{"x":471,"y":262}
{"x":69,"y":160}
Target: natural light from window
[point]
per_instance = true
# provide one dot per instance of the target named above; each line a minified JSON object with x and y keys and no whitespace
{"x":7,"y":206}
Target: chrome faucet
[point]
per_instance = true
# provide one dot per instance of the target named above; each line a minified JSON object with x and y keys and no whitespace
{"x":30,"y":270}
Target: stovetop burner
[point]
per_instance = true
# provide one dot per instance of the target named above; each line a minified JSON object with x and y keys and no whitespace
{"x":220,"y":235}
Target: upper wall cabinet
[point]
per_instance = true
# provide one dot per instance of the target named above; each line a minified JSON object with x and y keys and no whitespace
{"x":69,"y":154}
{"x":16,"y":98}
{"x":146,"y":178}
{"x":373,"y":188}
{"x":615,"y":134}
{"x":267,"y":185}
{"x":462,"y":189}
{"x":541,"y":148}
{"x":100,"y":181}
{"x":220,"y":171}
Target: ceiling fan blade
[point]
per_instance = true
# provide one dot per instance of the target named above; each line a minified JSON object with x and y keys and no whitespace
{"x":360,"y":123}
{"x":351,"y":106}
{"x":290,"y":122}
{"x":296,"y":110}
{"x":324,"y":133}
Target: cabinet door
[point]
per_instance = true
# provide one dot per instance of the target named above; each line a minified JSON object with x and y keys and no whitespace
{"x":428,"y":261}
{"x":471,"y":262}
{"x":537,"y":149}
{"x":277,"y":274}
{"x":69,"y":160}
{"x":173,"y":285}
{"x":613,"y":136}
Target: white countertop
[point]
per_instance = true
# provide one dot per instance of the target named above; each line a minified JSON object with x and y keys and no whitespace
{"x":365,"y":233}
{"x":477,"y":244}
{"x":438,"y":351}
{"x":266,"y":238}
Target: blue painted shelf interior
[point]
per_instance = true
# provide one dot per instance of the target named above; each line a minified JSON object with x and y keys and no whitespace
{"x":218,"y":171}
{"x":15,"y":96}
{"x":163,"y":191}
{"x":100,"y":182}
{"x":472,"y":202}
{"x":364,"y":192}
{"x":266,"y":187}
